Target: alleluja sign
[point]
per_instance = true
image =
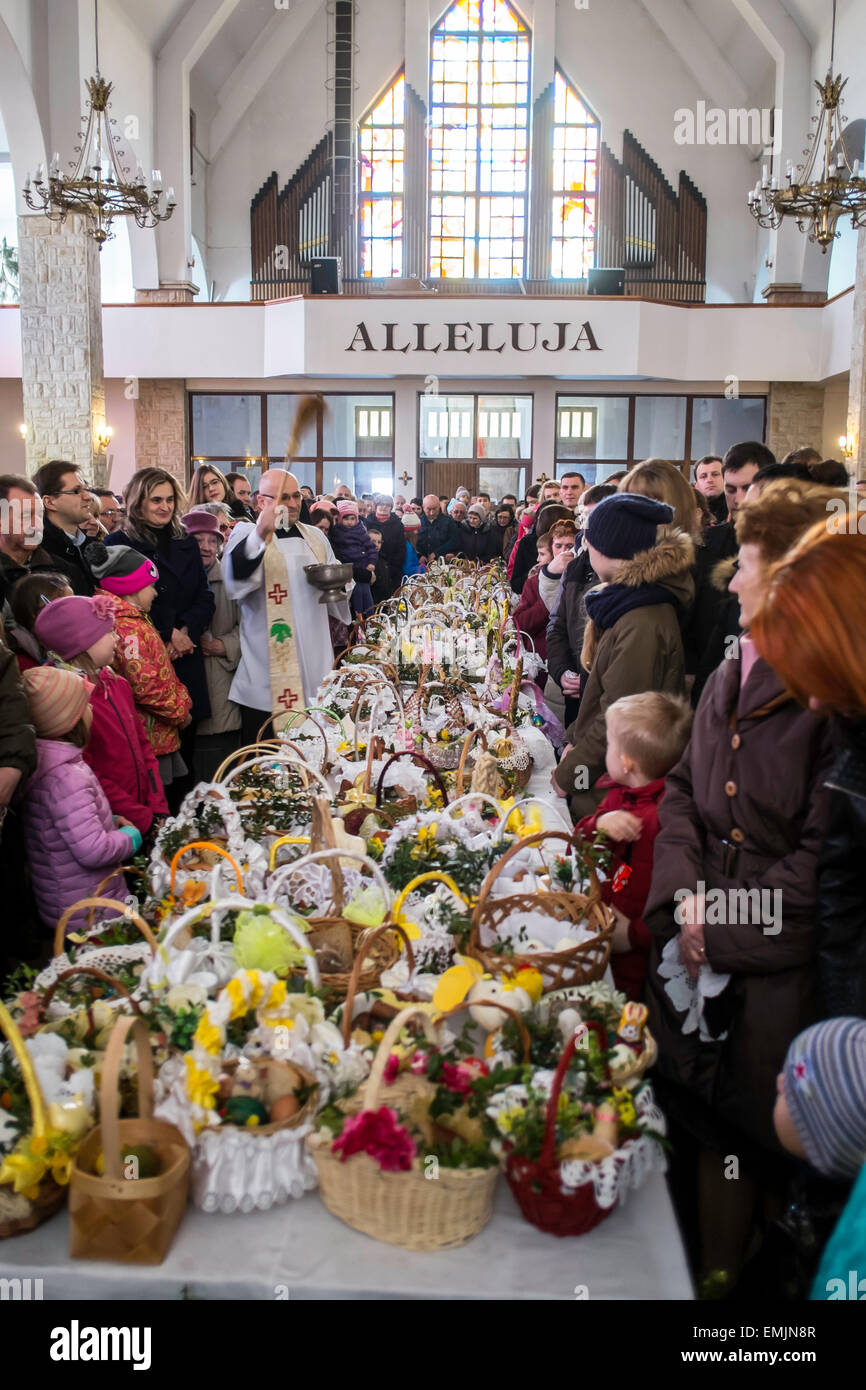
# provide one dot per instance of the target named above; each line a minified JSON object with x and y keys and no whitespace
{"x":467,"y":337}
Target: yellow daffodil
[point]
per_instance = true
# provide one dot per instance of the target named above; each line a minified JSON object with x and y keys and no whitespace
{"x":61,"y":1167}
{"x":208,"y":1035}
{"x":201,"y":1087}
{"x":377,"y":1035}
{"x":277,"y":995}
{"x":235,"y":991}
{"x":625,"y":1106}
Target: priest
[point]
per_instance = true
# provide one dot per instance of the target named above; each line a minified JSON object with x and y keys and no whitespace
{"x":285,"y":639}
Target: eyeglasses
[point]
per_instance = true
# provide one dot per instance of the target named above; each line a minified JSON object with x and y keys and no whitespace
{"x":70,"y":491}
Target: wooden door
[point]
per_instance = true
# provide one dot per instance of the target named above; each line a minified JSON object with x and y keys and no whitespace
{"x":444,"y":476}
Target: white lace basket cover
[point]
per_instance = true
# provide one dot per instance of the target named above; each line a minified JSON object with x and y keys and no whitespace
{"x":105,"y":958}
{"x":629,"y":1166}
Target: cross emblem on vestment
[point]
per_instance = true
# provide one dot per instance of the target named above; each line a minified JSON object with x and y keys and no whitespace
{"x":278,"y":593}
{"x":288,"y":698}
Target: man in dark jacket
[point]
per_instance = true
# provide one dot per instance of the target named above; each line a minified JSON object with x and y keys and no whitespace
{"x":390,"y":528}
{"x":439,"y":537}
{"x":66,"y":499}
{"x":478,"y":538}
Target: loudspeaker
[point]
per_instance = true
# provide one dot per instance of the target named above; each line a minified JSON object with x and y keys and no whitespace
{"x":605,"y":281}
{"x":326,"y":275}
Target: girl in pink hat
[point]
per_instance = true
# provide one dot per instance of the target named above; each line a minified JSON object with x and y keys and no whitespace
{"x":353,"y":545}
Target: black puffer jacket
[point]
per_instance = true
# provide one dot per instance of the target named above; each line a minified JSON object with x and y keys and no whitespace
{"x":841,"y":887}
{"x":479,"y":543}
{"x":393,"y":544}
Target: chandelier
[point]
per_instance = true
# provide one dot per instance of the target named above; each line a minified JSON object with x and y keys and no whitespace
{"x":100,"y":186}
{"x":825,"y":186}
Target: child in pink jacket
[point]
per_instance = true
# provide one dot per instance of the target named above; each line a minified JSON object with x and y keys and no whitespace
{"x":81,"y":632}
{"x":73,"y":840}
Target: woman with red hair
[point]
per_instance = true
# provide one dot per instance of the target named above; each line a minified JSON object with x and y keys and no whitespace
{"x":818,"y":591}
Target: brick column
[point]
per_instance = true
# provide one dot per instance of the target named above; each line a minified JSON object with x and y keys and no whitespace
{"x":856,"y":427}
{"x":796,"y":416}
{"x":61,"y":344}
{"x":160,"y":427}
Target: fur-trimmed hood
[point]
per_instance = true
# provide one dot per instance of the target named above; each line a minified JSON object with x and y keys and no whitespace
{"x":668,"y":564}
{"x":722,"y":573}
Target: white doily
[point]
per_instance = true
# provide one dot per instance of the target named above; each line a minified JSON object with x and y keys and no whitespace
{"x":104,"y":958}
{"x":629,"y":1166}
{"x":313,"y":887}
{"x":688,"y":995}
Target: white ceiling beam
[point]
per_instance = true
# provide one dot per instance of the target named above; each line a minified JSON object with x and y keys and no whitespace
{"x":196,"y":29}
{"x":274,"y":44}
{"x":698,"y":52}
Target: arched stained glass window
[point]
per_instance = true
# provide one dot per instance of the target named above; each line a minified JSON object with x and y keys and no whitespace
{"x":575,"y":184}
{"x":381,"y":174}
{"x":479,"y":141}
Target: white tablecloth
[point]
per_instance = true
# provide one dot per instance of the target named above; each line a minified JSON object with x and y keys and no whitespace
{"x":300,"y":1251}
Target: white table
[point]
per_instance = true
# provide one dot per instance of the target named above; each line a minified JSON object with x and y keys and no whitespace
{"x":300,"y":1251}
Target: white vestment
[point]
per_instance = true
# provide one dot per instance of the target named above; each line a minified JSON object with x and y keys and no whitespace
{"x":251,"y":685}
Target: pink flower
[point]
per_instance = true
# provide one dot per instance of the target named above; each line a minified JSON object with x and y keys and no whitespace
{"x":459,"y":1076}
{"x":31,"y":1017}
{"x":379,"y":1134}
{"x":418,"y":1065}
{"x":392,"y":1069}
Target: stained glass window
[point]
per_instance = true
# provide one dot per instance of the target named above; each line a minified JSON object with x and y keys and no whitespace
{"x":479,"y":141}
{"x":381,"y":140}
{"x":575,"y":184}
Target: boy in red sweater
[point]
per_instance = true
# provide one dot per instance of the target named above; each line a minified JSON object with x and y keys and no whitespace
{"x":646,"y":736}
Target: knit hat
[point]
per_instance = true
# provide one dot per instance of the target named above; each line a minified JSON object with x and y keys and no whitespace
{"x":347,"y":508}
{"x":119,"y":568}
{"x":625,"y":524}
{"x":68,"y":626}
{"x":57,"y":698}
{"x":197,"y":523}
{"x":824,"y":1077}
{"x":462,"y":493}
{"x":411,"y":520}
{"x":477,"y":509}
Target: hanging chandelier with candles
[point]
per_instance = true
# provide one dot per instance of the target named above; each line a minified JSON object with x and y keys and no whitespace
{"x":100,"y":186}
{"x":826,"y":186}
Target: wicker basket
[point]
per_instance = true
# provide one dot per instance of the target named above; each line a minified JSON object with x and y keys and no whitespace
{"x":124,"y":996}
{"x":428,"y":767}
{"x":112,"y":1217}
{"x":536,"y":1184}
{"x":580,"y":964}
{"x":30,"y":1211}
{"x":123,"y":910}
{"x":403,"y":1208}
{"x":383,"y":951}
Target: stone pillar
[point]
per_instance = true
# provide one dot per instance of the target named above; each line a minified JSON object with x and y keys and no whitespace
{"x":796,"y":416}
{"x":856,"y":427}
{"x":169,"y":292}
{"x":61,"y":345}
{"x":160,"y":427}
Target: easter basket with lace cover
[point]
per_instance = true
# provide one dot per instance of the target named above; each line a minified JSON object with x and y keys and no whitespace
{"x":399,"y":1204}
{"x":569,"y":1195}
{"x":114,"y":962}
{"x":581,"y":915}
{"x":35,"y":1172}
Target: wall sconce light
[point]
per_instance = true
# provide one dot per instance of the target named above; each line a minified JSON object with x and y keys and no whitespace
{"x":22,"y":430}
{"x":846,"y":446}
{"x":103,"y":437}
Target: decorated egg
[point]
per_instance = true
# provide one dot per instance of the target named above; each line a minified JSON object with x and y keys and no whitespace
{"x":70,"y":1116}
{"x":284,"y":1107}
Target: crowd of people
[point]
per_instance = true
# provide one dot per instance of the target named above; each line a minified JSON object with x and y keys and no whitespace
{"x":701,"y":645}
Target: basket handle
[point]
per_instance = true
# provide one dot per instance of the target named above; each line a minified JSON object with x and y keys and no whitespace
{"x":418,"y":758}
{"x":28,"y":1072}
{"x":127,"y":913}
{"x":528,"y":843}
{"x":546,"y":1156}
{"x":97,"y":975}
{"x":425,"y":878}
{"x":392,"y":1032}
{"x":278,"y":844}
{"x":525,"y":1040}
{"x":288,"y":869}
{"x":464,"y":754}
{"x":204,"y":844}
{"x":239,"y":903}
{"x":364,"y":947}
{"x":109,"y":1096}
{"x":251,"y":748}
{"x":502,"y":827}
{"x":475,"y":796}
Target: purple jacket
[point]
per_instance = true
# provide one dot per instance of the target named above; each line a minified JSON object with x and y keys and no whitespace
{"x":70,"y":833}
